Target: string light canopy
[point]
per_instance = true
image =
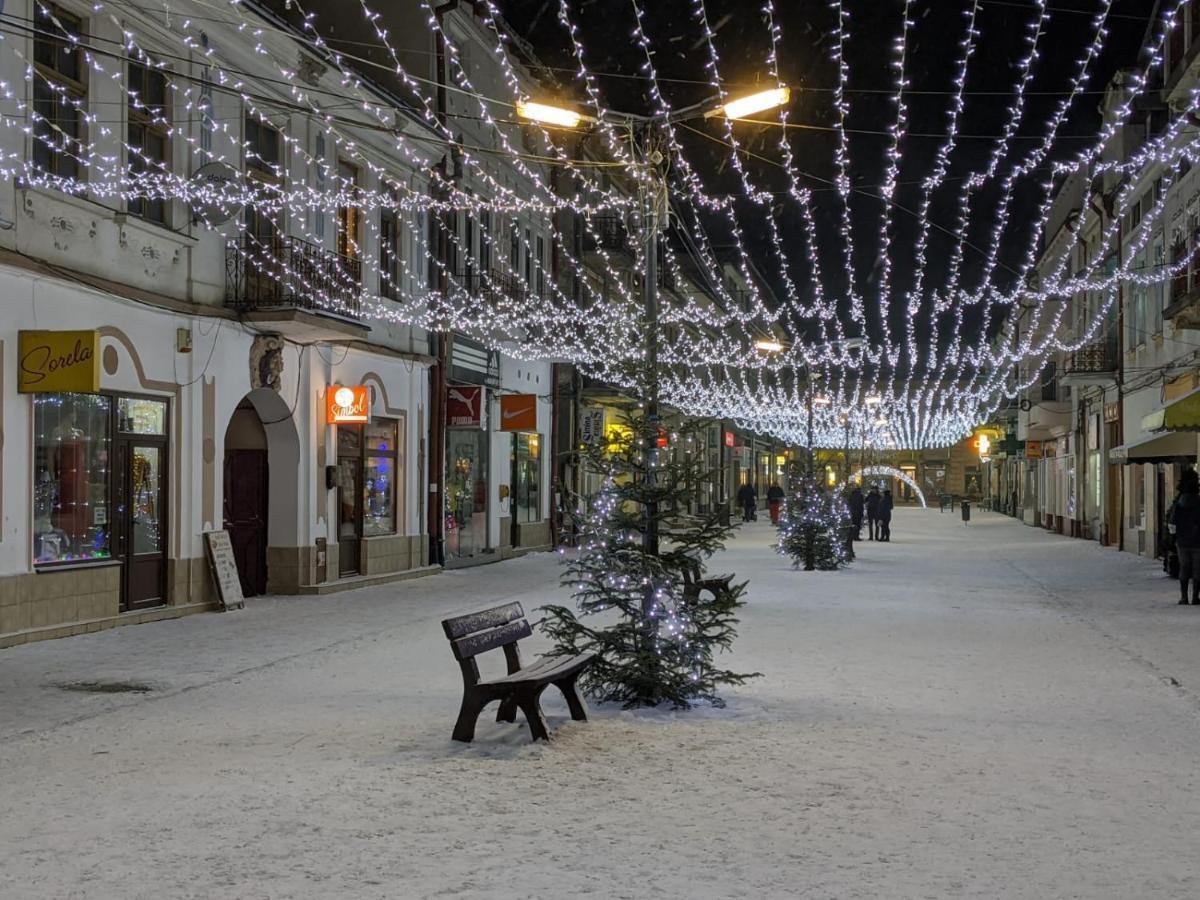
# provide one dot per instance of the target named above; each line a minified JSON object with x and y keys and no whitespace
{"x":911,"y":350}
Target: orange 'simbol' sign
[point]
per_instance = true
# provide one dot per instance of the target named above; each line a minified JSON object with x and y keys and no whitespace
{"x":57,"y":361}
{"x":518,"y":412}
{"x":347,"y":404}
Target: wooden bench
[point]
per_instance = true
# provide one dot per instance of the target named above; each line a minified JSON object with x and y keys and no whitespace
{"x":720,"y":586}
{"x":521,"y":688}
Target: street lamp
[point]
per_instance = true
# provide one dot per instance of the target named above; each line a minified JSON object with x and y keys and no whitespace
{"x":548,"y":114}
{"x":651,"y":189}
{"x":755,"y":103}
{"x":768,"y":346}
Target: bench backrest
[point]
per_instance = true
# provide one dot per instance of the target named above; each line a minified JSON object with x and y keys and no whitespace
{"x":486,"y":630}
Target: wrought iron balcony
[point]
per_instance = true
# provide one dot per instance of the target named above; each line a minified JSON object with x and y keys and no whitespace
{"x":493,"y":288}
{"x":607,"y":232}
{"x":281,"y":271}
{"x":1096,"y":358}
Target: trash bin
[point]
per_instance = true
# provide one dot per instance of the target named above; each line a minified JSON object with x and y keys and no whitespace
{"x":966,"y":510}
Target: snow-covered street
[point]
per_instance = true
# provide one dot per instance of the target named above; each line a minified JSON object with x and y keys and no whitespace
{"x":968,"y":711}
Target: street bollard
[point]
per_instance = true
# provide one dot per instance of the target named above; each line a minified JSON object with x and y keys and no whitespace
{"x":966,"y":511}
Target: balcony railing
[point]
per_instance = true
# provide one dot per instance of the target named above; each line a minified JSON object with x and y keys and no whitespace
{"x":494,"y":288}
{"x":1095,"y":358}
{"x":607,"y":232}
{"x":283,"y":271}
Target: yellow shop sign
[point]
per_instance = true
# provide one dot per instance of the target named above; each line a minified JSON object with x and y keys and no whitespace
{"x":58,"y":361}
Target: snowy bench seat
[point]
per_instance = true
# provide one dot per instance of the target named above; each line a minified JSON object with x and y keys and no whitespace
{"x":502,"y":627}
{"x":720,"y":586}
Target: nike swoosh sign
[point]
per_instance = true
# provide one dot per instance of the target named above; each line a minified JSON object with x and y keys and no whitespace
{"x":513,"y":413}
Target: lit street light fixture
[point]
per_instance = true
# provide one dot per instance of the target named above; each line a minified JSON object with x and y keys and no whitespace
{"x":652,"y":191}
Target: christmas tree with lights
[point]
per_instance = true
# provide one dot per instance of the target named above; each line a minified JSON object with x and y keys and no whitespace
{"x":813,"y":527}
{"x":641,"y":604}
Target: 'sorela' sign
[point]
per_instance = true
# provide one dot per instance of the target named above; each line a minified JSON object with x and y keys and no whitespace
{"x":58,"y":361}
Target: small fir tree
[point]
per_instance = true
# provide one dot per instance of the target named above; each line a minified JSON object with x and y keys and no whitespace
{"x":655,"y":638}
{"x":813,"y":527}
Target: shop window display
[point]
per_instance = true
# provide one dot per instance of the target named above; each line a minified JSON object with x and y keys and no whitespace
{"x":380,"y":472}
{"x":72,"y":447}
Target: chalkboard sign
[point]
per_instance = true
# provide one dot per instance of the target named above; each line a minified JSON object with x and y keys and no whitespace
{"x":224,"y":569}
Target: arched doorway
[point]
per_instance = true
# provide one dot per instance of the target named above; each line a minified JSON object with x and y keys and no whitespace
{"x":260,"y":511}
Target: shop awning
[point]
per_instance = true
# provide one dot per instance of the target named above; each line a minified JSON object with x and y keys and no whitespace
{"x":1166,"y":447}
{"x":1181,"y":415}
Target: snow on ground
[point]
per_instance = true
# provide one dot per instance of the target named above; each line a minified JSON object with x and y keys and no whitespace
{"x":970,"y":711}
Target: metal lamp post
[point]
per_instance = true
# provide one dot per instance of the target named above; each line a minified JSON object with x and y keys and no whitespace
{"x":641,"y":130}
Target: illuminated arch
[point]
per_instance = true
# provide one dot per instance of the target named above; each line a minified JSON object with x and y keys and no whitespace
{"x":890,"y":472}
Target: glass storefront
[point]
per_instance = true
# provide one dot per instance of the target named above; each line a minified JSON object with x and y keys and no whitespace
{"x":466,"y":491}
{"x":369,"y":473}
{"x":381,"y":474}
{"x":100,"y":473}
{"x":71,"y":453}
{"x":527,"y":477}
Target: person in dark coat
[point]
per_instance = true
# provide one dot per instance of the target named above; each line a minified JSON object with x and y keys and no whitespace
{"x":1185,"y":520}
{"x":775,"y":501}
{"x":857,"y":504}
{"x":873,"y":501}
{"x":885,"y":516}
{"x":747,"y":497}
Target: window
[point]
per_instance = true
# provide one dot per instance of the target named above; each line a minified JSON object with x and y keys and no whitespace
{"x":528,"y":258}
{"x":149,"y":145}
{"x":1159,"y":288}
{"x":541,"y":266}
{"x":71,"y":453}
{"x":264,"y":165}
{"x":264,"y":154}
{"x":1136,"y":313}
{"x":390,"y":249}
{"x":527,"y":477}
{"x":469,"y":245}
{"x":485,"y":241}
{"x":348,"y":215}
{"x":320,"y":171}
{"x":59,"y":93}
{"x":381,"y":471}
{"x":514,"y":247}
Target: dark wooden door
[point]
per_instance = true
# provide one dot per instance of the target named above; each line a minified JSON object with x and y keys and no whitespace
{"x":140,"y":526}
{"x":349,"y":498}
{"x":246,"y":516}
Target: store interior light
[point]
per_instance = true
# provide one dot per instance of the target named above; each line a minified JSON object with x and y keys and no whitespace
{"x":768,"y":345}
{"x":754,"y":103}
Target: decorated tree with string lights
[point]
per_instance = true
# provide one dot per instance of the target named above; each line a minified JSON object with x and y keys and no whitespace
{"x":812,"y":528}
{"x":641,"y":608}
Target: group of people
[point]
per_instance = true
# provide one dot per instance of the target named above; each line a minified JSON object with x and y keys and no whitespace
{"x":747,"y":498}
{"x":875,"y":505}
{"x":878,"y":510}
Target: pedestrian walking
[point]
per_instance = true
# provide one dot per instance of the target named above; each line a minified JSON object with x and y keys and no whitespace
{"x":873,"y":501}
{"x":857,"y":504}
{"x":747,"y":498}
{"x":775,"y":501}
{"x":1185,"y":521}
{"x":885,"y":516}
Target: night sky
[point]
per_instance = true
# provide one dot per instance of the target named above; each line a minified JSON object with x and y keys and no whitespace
{"x":805,"y":60}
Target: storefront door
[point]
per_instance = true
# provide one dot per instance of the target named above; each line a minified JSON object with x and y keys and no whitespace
{"x":349,"y":497}
{"x":466,"y":491}
{"x":140,"y":525}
